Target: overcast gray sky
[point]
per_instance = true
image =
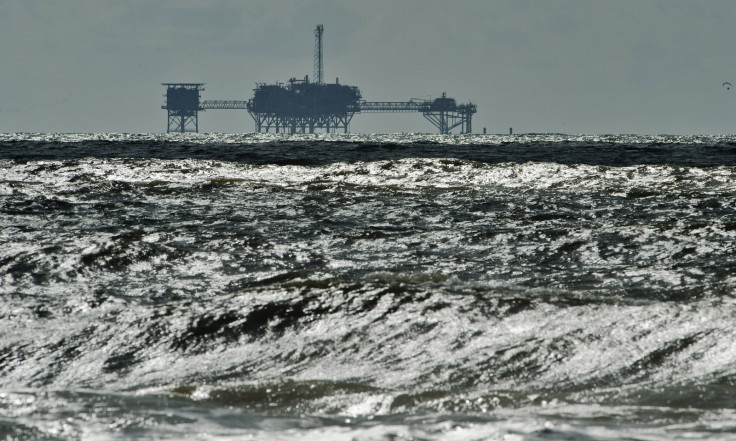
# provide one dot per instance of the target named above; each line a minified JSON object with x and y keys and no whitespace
{"x":572,"y":66}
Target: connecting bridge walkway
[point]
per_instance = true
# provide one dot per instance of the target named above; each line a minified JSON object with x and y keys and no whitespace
{"x":443,"y":112}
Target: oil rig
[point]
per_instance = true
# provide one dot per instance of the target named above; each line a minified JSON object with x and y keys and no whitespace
{"x":304,"y":106}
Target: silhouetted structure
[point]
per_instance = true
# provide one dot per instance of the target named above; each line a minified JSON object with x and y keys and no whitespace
{"x":443,"y":112}
{"x":319,"y":75}
{"x":301,"y":106}
{"x":182,"y":105}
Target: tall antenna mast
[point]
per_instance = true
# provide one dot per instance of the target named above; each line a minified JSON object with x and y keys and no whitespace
{"x":318,"y":72}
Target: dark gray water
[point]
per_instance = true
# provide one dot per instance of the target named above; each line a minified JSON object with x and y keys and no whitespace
{"x":377,"y":287}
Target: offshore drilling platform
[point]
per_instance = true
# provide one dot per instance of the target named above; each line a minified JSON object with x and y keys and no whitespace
{"x":303,"y":106}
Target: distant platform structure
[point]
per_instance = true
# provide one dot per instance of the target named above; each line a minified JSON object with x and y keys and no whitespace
{"x":182,"y":106}
{"x":301,"y":106}
{"x":443,"y":112}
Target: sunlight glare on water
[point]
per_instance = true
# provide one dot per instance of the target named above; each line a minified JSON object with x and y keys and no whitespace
{"x":401,"y":286}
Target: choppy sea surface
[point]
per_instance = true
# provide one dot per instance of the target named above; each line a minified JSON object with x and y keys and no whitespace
{"x":367,"y":287}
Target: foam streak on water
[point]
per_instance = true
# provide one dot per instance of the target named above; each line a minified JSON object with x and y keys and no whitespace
{"x":367,"y":287}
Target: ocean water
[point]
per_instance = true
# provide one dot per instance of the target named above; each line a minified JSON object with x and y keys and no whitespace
{"x":367,"y":287}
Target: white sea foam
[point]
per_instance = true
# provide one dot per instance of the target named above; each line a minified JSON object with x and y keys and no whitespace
{"x":444,"y":288}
